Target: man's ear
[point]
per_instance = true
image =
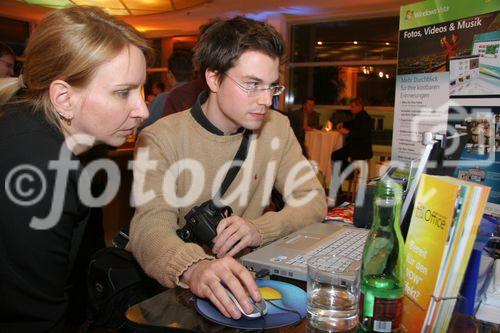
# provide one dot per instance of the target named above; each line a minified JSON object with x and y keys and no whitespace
{"x":213,"y":80}
{"x":61,"y":96}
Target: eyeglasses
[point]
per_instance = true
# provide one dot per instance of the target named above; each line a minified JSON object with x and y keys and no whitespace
{"x":9,"y":65}
{"x":253,"y":89}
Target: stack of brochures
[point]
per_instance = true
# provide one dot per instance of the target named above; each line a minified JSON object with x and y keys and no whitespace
{"x":440,"y":238}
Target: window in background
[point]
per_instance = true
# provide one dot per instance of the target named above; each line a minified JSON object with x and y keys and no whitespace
{"x":156,"y":45}
{"x":370,"y":39}
{"x":337,"y":61}
{"x":154,"y":76}
{"x":379,"y":123}
{"x":337,"y":84}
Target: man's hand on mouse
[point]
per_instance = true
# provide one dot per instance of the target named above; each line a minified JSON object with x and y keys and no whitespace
{"x":233,"y":235}
{"x":204,"y":279}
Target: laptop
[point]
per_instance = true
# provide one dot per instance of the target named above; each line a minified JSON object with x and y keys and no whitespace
{"x":288,"y":256}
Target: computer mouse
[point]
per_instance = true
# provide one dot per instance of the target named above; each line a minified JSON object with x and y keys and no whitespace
{"x":259,"y":308}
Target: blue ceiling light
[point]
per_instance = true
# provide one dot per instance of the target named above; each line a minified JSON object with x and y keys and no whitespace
{"x":293,"y":10}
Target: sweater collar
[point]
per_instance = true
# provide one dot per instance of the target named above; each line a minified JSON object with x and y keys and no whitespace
{"x":199,"y":116}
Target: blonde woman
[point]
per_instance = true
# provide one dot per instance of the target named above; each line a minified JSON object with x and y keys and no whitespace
{"x":83,"y":75}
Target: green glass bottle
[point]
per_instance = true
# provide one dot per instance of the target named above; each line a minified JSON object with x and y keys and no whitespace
{"x":382,"y":268}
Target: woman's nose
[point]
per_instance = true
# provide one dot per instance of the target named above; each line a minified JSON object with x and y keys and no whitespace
{"x":141,"y":110}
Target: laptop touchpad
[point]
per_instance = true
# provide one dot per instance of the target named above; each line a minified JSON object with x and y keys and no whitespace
{"x":301,"y":242}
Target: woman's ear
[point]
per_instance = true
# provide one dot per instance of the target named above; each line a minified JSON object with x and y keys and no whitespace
{"x":61,"y":96}
{"x":213,"y":80}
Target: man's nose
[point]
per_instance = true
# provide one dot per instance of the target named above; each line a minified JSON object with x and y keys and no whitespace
{"x":266,"y":98}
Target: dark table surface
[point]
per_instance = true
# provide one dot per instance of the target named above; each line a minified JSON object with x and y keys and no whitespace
{"x":173,"y":309}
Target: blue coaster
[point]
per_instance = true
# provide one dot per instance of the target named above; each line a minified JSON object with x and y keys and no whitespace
{"x":293,"y":299}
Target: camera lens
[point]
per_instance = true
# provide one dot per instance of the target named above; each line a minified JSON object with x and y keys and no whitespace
{"x":183,"y":233}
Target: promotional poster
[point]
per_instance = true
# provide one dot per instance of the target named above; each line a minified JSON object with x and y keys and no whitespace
{"x":448,"y":83}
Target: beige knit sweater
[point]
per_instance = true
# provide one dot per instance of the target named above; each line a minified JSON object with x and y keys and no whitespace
{"x":179,"y":141}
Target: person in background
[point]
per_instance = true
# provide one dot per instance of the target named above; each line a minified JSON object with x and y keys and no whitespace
{"x":7,"y":61}
{"x":156,"y":89}
{"x":239,"y":59}
{"x":62,"y":94}
{"x":184,"y":97}
{"x":304,"y":119}
{"x":342,"y":154}
{"x":358,"y":132}
{"x":311,"y":117}
{"x":180,"y":66}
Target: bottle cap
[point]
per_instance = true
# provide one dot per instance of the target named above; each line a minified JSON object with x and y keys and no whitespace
{"x":389,"y":188}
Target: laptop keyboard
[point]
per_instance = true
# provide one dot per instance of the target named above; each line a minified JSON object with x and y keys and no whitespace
{"x":348,"y":243}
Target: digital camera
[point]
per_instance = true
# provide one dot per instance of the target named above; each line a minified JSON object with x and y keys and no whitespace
{"x":202,"y":221}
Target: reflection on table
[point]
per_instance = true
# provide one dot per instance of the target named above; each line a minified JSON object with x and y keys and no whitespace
{"x":320,"y":146}
{"x":174,"y":309}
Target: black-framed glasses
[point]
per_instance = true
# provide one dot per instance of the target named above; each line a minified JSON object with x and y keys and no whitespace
{"x":253,"y":89}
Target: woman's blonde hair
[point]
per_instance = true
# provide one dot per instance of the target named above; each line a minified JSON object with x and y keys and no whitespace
{"x":69,"y":44}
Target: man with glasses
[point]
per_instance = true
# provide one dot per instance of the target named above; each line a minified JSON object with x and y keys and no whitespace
{"x":7,"y":61}
{"x":239,"y":59}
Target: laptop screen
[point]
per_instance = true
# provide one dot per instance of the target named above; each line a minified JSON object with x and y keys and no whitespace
{"x":487,"y":47}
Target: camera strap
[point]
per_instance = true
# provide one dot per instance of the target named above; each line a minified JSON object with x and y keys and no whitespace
{"x":235,"y":167}
{"x":122,"y":238}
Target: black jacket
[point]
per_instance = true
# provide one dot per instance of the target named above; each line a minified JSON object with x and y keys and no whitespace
{"x":296,"y":119}
{"x":359,"y":139}
{"x":35,"y":264}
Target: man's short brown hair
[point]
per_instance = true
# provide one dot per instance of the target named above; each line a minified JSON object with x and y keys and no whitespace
{"x":222,"y":42}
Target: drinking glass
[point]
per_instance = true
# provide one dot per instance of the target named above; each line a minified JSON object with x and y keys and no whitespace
{"x":332,"y":293}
